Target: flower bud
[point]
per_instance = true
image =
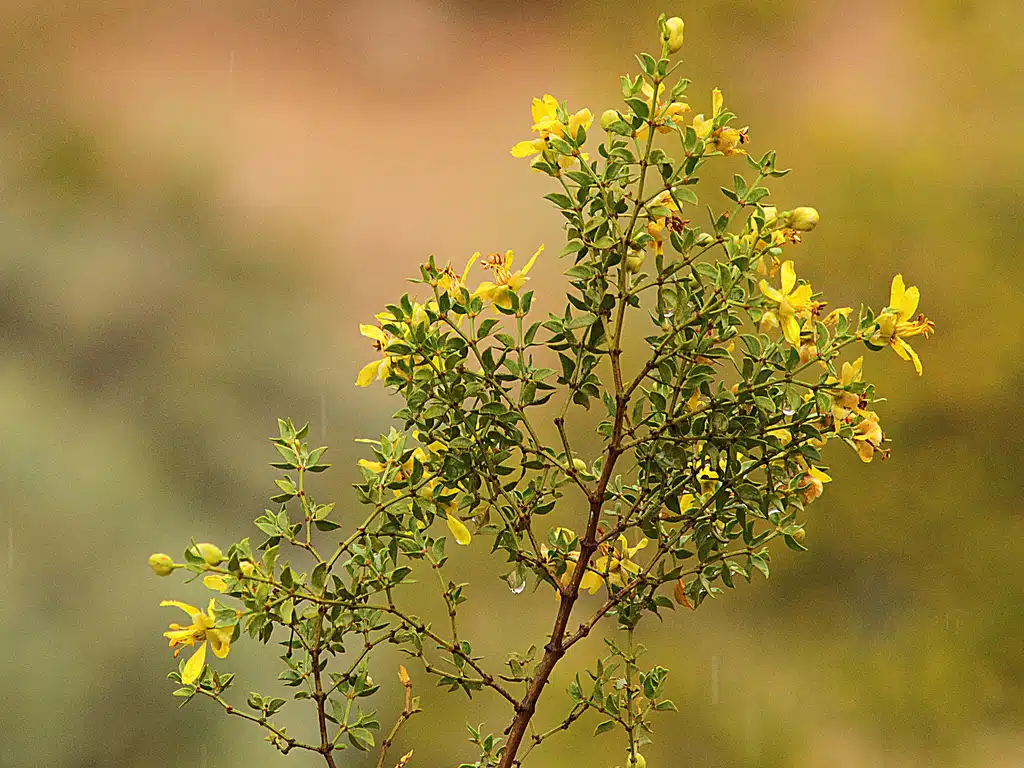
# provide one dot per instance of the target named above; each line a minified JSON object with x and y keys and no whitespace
{"x":800,"y":534}
{"x":803,"y":219}
{"x":705,"y":238}
{"x":161,"y":564}
{"x":247,"y":567}
{"x":209,"y":552}
{"x":635,"y":261}
{"x":609,"y":117}
{"x":674,"y":34}
{"x":771,"y":213}
{"x":579,"y":465}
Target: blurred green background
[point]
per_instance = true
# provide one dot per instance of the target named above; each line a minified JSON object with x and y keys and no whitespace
{"x":201,"y":202}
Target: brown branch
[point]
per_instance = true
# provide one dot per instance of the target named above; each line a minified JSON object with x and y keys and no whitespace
{"x":326,"y":745}
{"x":410,"y":709}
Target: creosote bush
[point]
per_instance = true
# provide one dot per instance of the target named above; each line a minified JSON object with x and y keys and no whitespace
{"x":711,"y":443}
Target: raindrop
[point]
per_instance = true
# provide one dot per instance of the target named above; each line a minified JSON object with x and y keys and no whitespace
{"x":323,"y":417}
{"x":788,"y":411}
{"x":715,"y":663}
{"x":516,"y":579}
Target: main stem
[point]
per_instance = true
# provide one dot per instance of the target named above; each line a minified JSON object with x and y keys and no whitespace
{"x":555,"y":649}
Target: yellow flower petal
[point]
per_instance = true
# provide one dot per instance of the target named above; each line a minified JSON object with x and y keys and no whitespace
{"x":459,"y":530}
{"x":788,"y":277}
{"x":215,"y":582}
{"x":791,"y":329}
{"x":907,"y":352}
{"x":819,"y":475}
{"x":701,"y":126}
{"x":368,"y":373}
{"x":529,"y":264}
{"x":220,"y":640}
{"x":527,"y":148}
{"x":716,"y":102}
{"x":372,"y":332}
{"x":770,"y":292}
{"x":591,"y":582}
{"x":194,"y":666}
{"x":545,"y":108}
{"x":896,"y":291}
{"x":189,"y":609}
{"x":911,"y":298}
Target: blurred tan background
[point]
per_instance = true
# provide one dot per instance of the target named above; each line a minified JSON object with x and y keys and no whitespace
{"x":202,"y":200}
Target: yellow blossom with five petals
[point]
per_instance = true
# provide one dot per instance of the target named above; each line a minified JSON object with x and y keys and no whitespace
{"x":202,"y":631}
{"x":665,"y":116}
{"x":506,"y":282}
{"x":546,"y":123}
{"x":616,"y":566}
{"x":794,"y":301}
{"x":723,"y":139}
{"x":868,"y":436}
{"x":449,"y":281}
{"x":897,"y":321}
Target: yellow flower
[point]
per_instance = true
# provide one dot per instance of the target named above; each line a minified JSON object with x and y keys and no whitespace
{"x":546,"y":123}
{"x":377,"y":369}
{"x":723,"y":139}
{"x":377,"y":467}
{"x":459,"y":530}
{"x":702,"y":126}
{"x":448,"y":281}
{"x":201,"y":631}
{"x":844,"y":402}
{"x":617,"y":566}
{"x":832,"y":318}
{"x":694,"y":403}
{"x":614,"y":565}
{"x":868,"y":436}
{"x":728,"y":140}
{"x":707,"y":477}
{"x":429,"y":488}
{"x":591,"y":582}
{"x":505,"y":282}
{"x":813,"y":484}
{"x":381,"y":369}
{"x":659,"y":227}
{"x":664,"y":116}
{"x":793,"y":302}
{"x":897,"y":323}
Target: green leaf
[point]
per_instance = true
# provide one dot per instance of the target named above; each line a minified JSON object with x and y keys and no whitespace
{"x":584,"y":320}
{"x":603,"y":727}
